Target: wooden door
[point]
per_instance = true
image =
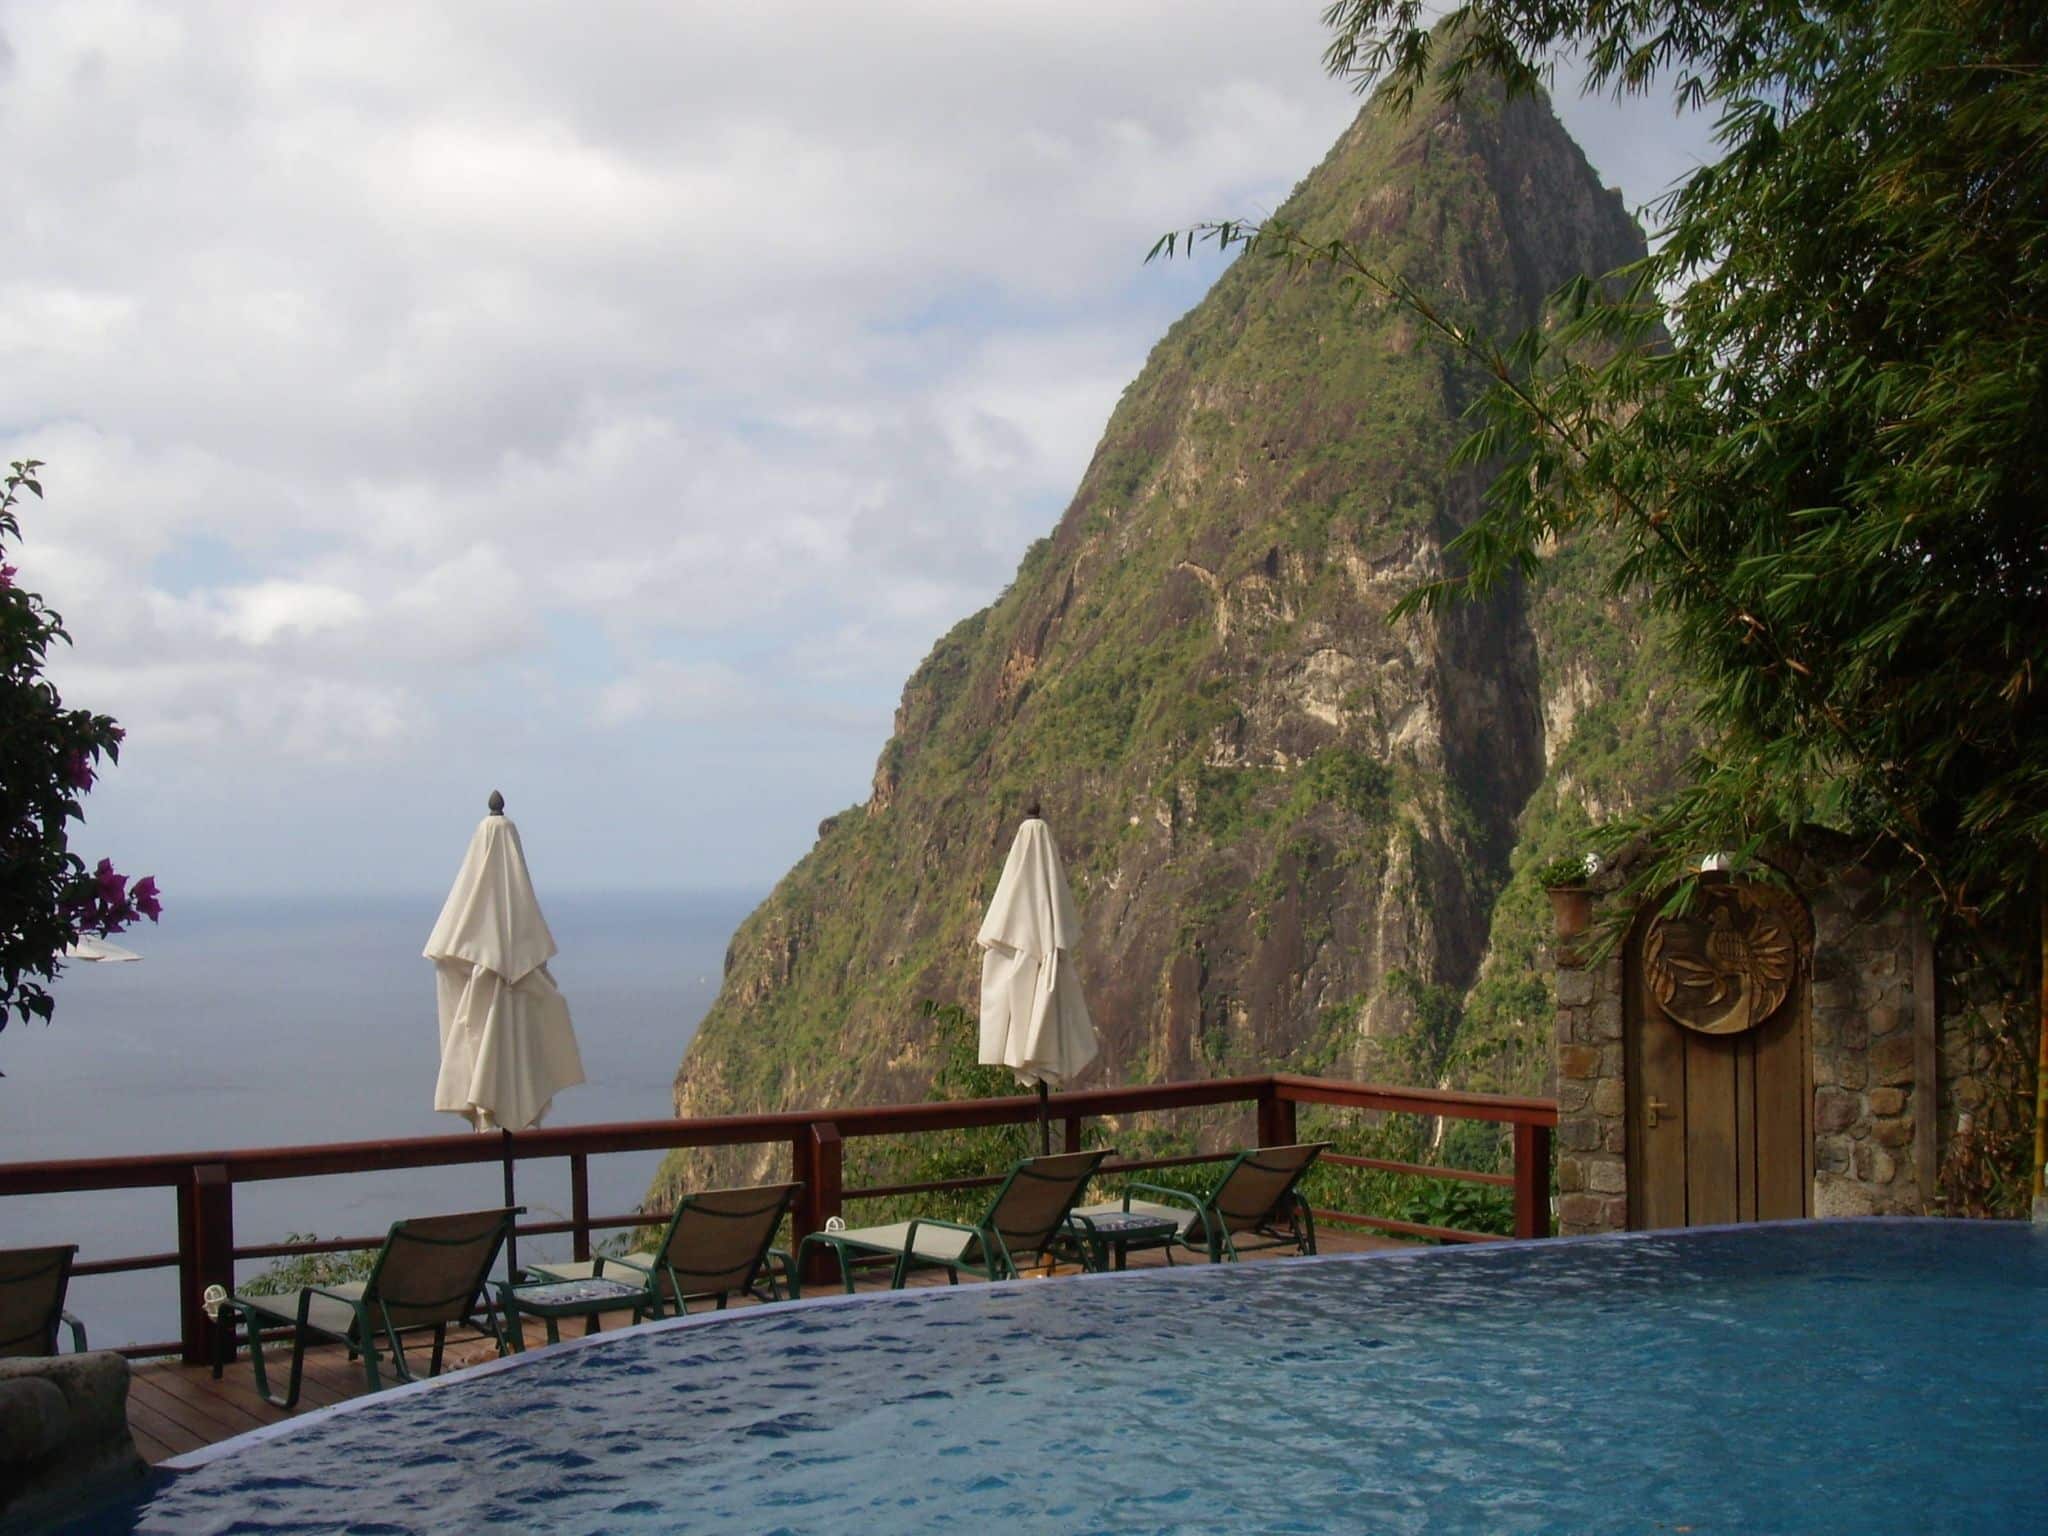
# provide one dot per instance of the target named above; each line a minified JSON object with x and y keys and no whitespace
{"x":1719,"y":1124}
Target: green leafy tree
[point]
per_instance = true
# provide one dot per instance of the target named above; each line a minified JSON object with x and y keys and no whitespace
{"x":1812,"y":424}
{"x":49,"y":757}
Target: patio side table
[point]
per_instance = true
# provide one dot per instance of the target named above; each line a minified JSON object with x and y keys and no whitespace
{"x":553,"y":1300}
{"x":1111,"y":1232}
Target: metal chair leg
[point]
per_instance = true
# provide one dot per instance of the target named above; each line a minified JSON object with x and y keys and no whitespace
{"x":371,"y":1380}
{"x":293,"y":1381}
{"x":223,"y":1322}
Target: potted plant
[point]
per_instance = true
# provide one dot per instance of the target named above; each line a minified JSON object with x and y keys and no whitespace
{"x":1565,"y":880}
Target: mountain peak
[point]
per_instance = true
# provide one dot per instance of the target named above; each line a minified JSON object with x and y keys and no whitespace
{"x":1288,"y":820}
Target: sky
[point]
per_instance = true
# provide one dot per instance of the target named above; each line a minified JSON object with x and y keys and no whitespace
{"x":609,"y":404}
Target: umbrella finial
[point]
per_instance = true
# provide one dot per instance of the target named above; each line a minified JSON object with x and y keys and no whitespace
{"x":496,"y":803}
{"x":1031,"y":811}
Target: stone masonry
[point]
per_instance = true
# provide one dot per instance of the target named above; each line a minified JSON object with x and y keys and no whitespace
{"x":1592,"y":1093}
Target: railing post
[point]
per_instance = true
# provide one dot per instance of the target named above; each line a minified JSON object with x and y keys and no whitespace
{"x":1073,"y":1136}
{"x":1276,"y":1119}
{"x":1532,"y":1180}
{"x":579,"y":1204}
{"x":206,"y":1253}
{"x":801,"y":1224}
{"x":818,"y":1159}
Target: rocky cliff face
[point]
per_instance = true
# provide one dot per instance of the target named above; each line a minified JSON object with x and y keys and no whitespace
{"x":1299,"y":833}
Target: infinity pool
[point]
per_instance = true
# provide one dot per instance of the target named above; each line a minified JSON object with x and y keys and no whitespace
{"x":1803,"y":1377}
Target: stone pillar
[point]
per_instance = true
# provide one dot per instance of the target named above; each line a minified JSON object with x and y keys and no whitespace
{"x":1865,"y":1059}
{"x":1592,"y":1089}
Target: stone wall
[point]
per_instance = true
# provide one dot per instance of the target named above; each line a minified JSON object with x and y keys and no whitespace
{"x":1592,"y":1090}
{"x":1872,"y":1037}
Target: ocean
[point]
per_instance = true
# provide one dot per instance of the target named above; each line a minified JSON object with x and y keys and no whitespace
{"x":294,"y":1021}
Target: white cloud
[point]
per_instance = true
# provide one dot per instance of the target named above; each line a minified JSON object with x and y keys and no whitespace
{"x":672,"y":690}
{"x":425,"y":385}
{"x":261,"y":613}
{"x":249,"y":719}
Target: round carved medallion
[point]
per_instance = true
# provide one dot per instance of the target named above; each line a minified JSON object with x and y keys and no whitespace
{"x":1726,"y":965}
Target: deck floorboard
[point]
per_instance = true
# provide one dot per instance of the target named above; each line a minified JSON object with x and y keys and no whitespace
{"x":174,"y":1408}
{"x":194,"y":1408}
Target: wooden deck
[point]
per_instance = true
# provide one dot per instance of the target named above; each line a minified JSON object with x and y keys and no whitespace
{"x":174,"y":1408}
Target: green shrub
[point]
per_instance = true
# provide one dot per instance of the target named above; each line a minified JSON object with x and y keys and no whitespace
{"x":1567,"y":869}
{"x":304,"y":1269}
{"x":1345,"y":777}
{"x":1454,"y":1203}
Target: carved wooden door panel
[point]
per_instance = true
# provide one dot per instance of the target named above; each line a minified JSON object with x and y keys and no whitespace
{"x":1719,"y":1067}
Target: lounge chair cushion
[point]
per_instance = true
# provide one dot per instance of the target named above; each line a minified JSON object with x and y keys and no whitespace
{"x":941,"y":1244}
{"x":32,"y":1284}
{"x":1027,"y":1215}
{"x":718,"y":1241}
{"x":323,"y":1312}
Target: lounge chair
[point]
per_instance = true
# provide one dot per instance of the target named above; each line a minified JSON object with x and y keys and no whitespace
{"x":430,"y":1272}
{"x":32,"y":1286}
{"x":1027,"y":1216}
{"x":1253,"y":1205}
{"x":717,"y":1243}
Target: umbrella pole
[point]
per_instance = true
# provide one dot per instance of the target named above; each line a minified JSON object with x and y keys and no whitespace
{"x":1044,"y":1121}
{"x":511,"y":1236}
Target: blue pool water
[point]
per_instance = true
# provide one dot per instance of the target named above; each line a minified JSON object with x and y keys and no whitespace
{"x":1813,"y":1377}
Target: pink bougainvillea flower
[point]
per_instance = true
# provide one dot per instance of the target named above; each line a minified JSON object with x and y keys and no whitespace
{"x":105,"y":903}
{"x":6,"y":576}
{"x":112,"y":885}
{"x":78,"y":775}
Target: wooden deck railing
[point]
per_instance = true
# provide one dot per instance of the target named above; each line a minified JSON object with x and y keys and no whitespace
{"x":205,"y":1182}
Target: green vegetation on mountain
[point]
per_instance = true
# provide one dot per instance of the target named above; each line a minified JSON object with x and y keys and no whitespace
{"x":1302,"y":834}
{"x":1829,"y":475}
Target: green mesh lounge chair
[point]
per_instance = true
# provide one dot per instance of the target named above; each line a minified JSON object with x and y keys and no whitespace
{"x":1027,"y":1216}
{"x":32,"y":1286}
{"x":718,"y":1243}
{"x":1253,"y":1205}
{"x":430,"y":1272}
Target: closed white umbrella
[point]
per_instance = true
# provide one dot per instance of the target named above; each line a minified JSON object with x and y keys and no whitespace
{"x":507,"y":1046}
{"x":1034,"y":1019}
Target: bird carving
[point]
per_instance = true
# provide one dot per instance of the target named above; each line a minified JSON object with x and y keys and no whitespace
{"x":1724,"y":972}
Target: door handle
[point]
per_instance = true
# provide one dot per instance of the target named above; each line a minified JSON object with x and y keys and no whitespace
{"x":1651,"y":1110}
